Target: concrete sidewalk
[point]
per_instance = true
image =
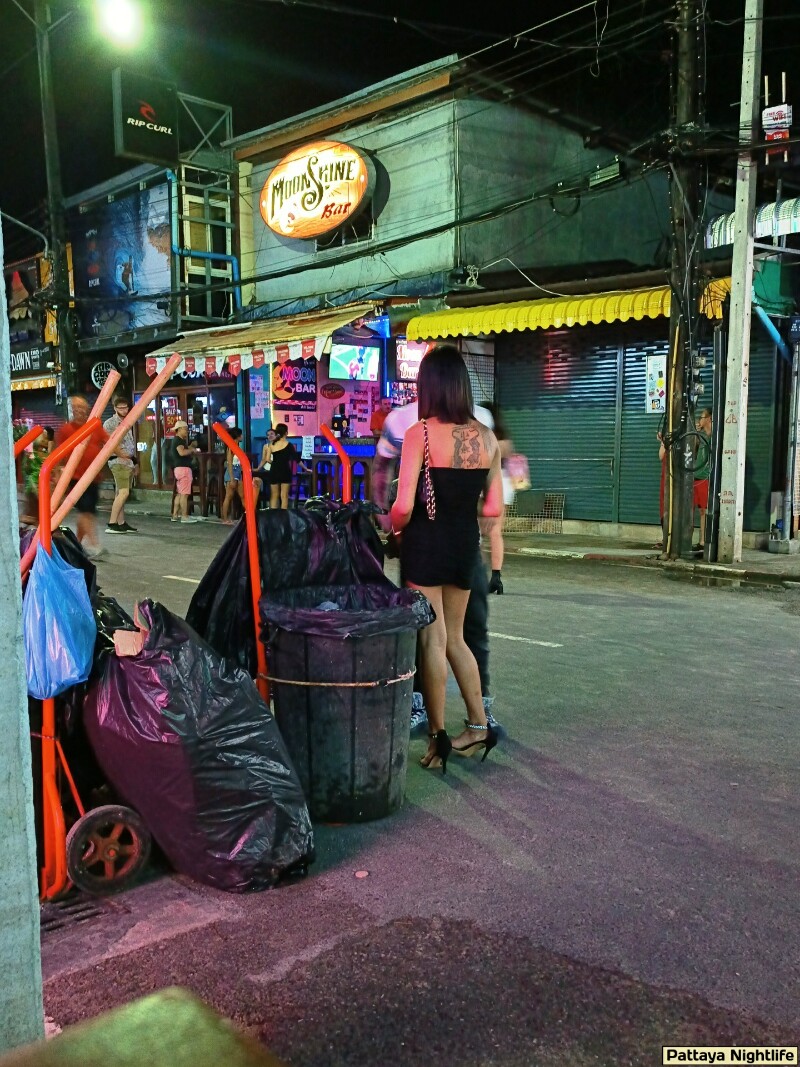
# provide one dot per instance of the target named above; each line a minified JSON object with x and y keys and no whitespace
{"x":757,"y":565}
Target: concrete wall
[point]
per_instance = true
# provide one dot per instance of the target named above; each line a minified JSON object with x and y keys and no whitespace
{"x":506,"y":154}
{"x":21,"y":1018}
{"x":416,"y":180}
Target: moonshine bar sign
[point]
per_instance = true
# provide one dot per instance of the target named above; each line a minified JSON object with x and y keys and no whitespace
{"x":316,"y":189}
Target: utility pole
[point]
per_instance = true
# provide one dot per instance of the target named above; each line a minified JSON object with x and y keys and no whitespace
{"x":686,"y":124}
{"x":731,"y":511}
{"x":55,"y":198}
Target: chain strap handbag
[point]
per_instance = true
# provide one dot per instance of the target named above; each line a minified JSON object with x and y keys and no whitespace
{"x":428,"y":496}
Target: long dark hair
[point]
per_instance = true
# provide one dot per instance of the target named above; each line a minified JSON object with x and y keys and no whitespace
{"x":443,"y":386}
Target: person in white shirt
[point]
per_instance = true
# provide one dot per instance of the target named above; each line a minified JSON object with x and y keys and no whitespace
{"x":476,"y":620}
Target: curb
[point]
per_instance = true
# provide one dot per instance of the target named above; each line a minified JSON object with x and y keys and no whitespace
{"x":677,"y":568}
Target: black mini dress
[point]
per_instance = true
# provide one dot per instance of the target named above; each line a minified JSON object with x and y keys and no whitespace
{"x":444,"y":550}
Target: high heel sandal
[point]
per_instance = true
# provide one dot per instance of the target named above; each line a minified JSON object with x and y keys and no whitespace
{"x":487,"y":743}
{"x":443,"y":746}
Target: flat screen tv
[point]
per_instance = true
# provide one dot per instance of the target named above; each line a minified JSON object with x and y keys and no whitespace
{"x":355,"y":363}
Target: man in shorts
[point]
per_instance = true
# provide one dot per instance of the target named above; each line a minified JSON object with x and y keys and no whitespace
{"x":86,"y":505}
{"x":123,"y":467}
{"x":182,"y":451}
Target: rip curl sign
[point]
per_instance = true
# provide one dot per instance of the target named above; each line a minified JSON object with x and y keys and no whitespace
{"x":316,"y":189}
{"x":294,"y":385}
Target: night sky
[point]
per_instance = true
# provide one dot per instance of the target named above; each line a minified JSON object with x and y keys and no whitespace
{"x":271,"y":60}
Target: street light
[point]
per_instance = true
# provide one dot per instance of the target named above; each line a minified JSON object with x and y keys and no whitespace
{"x":121,"y":21}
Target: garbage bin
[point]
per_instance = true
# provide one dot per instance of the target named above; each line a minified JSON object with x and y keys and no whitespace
{"x":341,"y":664}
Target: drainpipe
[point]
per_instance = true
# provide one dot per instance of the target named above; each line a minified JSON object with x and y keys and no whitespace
{"x":177,"y":250}
{"x":774,"y":333}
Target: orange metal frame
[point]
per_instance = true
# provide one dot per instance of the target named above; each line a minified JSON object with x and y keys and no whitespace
{"x":262,"y":680}
{"x":54,"y":876}
{"x":252,"y":552}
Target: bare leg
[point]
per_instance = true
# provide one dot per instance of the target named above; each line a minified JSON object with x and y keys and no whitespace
{"x":285,"y":496}
{"x":87,"y":529}
{"x":118,"y":507}
{"x":432,"y":660}
{"x":230,"y":489}
{"x":462,"y":661}
{"x":183,"y":505}
{"x":274,"y":496}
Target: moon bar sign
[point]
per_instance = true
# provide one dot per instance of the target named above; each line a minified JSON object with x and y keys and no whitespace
{"x":316,"y":189}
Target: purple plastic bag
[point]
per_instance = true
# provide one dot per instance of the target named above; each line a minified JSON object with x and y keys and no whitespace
{"x":185,"y":739}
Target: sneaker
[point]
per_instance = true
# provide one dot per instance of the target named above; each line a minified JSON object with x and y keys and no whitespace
{"x":174,"y":518}
{"x":115,"y":528}
{"x":490,"y":719}
{"x":190,"y":520}
{"x":126,"y":527}
{"x":419,"y":714}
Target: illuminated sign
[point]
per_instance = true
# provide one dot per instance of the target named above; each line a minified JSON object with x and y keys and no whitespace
{"x":315,"y":189}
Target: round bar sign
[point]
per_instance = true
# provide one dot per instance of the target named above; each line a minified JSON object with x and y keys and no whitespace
{"x":315,"y":189}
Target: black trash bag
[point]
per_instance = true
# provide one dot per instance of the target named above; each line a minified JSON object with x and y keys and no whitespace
{"x":326,"y":544}
{"x":185,"y":739}
{"x":365,"y":549}
{"x":345,"y":611}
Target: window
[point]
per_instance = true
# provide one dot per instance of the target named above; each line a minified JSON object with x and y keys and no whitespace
{"x":207,"y":228}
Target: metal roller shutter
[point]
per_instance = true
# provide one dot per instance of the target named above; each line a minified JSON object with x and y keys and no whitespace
{"x":558,"y":394}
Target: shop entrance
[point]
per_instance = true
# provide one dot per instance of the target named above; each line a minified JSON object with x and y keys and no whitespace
{"x":197,"y":405}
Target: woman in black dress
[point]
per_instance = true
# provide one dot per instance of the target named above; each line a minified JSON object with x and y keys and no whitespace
{"x":449,"y":463}
{"x":281,"y":454}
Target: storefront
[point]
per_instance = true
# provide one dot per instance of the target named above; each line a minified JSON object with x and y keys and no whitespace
{"x":581,"y":382}
{"x":303,"y":371}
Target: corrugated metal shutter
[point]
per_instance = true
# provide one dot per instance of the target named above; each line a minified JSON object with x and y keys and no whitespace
{"x":558,"y":395}
{"x":760,"y":431}
{"x":640,"y":467}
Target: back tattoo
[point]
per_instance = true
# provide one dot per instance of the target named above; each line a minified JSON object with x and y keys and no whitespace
{"x":466,"y":447}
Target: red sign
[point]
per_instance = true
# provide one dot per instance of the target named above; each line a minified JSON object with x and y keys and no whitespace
{"x":258,"y":357}
{"x":189,"y":364}
{"x":332,"y":391}
{"x":211,"y":365}
{"x":282,"y":352}
{"x":150,"y":366}
{"x":308,"y":348}
{"x":235,"y":365}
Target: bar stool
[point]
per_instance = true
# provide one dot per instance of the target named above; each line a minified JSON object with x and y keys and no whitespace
{"x":300,"y":489}
{"x":362,"y":481}
{"x":323,"y":480}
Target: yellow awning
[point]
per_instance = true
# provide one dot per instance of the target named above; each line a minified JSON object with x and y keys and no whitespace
{"x":254,"y":344}
{"x":559,"y":311}
{"x":47,"y":382}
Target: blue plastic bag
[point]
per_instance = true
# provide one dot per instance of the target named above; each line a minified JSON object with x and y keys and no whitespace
{"x":58,"y":626}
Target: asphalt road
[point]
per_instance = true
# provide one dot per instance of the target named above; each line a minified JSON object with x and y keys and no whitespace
{"x":621,"y":873}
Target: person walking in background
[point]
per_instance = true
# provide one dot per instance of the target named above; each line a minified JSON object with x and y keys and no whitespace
{"x":449,"y":462}
{"x":86,"y":505}
{"x":476,"y":620}
{"x":262,"y":475}
{"x":233,"y":479}
{"x":662,"y":455}
{"x":182,"y":450}
{"x":33,"y":458}
{"x":492,"y":528}
{"x":701,"y":473}
{"x":123,"y":468}
{"x":281,"y":455}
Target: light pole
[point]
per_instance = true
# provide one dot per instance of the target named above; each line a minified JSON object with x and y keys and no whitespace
{"x":120,"y":20}
{"x":55,"y":198}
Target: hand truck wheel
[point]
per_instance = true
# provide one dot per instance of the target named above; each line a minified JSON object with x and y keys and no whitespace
{"x":107,"y":848}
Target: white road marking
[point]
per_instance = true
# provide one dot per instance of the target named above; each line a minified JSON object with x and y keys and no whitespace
{"x":180,"y":578}
{"x":527,"y":640}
